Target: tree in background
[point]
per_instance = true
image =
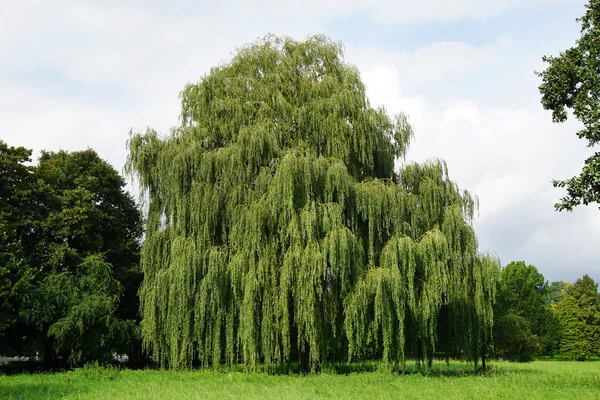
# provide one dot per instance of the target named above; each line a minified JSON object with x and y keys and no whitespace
{"x":16,"y":220}
{"x":278,"y":228}
{"x":93,"y":214}
{"x":571,"y":82}
{"x":513,"y":337}
{"x":524,"y":323}
{"x":580,"y":320}
{"x":78,"y":265}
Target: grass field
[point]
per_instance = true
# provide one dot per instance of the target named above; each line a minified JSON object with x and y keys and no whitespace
{"x":537,"y":380}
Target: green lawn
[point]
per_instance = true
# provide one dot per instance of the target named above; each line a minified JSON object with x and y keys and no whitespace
{"x":537,"y":380}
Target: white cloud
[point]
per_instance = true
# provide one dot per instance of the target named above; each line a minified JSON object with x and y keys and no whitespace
{"x":16,"y":20}
{"x":445,"y":59}
{"x":402,"y":11}
{"x":438,"y":61}
{"x":36,"y":121}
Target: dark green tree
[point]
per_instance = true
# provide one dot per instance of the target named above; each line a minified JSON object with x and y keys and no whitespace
{"x":580,"y":320}
{"x":75,"y":314}
{"x":279,"y":229}
{"x":571,"y":82}
{"x":91,"y":214}
{"x":79,"y":267}
{"x":16,"y":223}
{"x":524,"y":323}
{"x":513,"y":337}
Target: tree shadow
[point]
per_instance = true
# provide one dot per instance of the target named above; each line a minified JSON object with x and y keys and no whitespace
{"x":42,"y":390}
{"x":438,"y":369}
{"x":27,"y":367}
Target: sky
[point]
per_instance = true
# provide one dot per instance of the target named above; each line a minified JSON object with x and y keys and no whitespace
{"x":82,"y":74}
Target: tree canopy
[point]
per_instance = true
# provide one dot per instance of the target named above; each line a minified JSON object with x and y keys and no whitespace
{"x":571,"y":82}
{"x":279,"y":228}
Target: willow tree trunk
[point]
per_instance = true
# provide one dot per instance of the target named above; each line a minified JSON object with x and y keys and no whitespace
{"x":483,"y":353}
{"x":304,"y":361}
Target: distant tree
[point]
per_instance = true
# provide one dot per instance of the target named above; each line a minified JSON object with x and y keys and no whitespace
{"x":523,"y":318}
{"x":572,"y":82}
{"x":580,"y":320}
{"x":79,"y":267}
{"x":513,"y":338}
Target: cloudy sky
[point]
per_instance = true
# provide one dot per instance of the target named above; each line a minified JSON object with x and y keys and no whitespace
{"x":78,"y":74}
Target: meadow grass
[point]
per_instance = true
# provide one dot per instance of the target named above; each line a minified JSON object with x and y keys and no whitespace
{"x":537,"y":380}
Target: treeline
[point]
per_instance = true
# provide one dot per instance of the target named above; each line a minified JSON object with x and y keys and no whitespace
{"x":279,"y":229}
{"x":70,"y":274}
{"x":533,"y":317}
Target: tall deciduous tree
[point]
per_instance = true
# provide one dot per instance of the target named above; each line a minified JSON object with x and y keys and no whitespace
{"x":278,"y":228}
{"x":77,"y":262}
{"x":524,"y":321}
{"x":571,"y":82}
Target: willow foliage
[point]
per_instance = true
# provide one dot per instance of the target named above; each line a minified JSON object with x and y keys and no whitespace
{"x":278,"y":227}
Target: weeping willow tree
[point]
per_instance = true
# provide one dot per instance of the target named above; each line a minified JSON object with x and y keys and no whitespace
{"x":278,"y":228}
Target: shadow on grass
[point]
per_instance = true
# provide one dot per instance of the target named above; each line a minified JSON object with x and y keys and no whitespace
{"x":25,"y":367}
{"x":438,"y":369}
{"x":42,"y":390}
{"x":560,"y":358}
